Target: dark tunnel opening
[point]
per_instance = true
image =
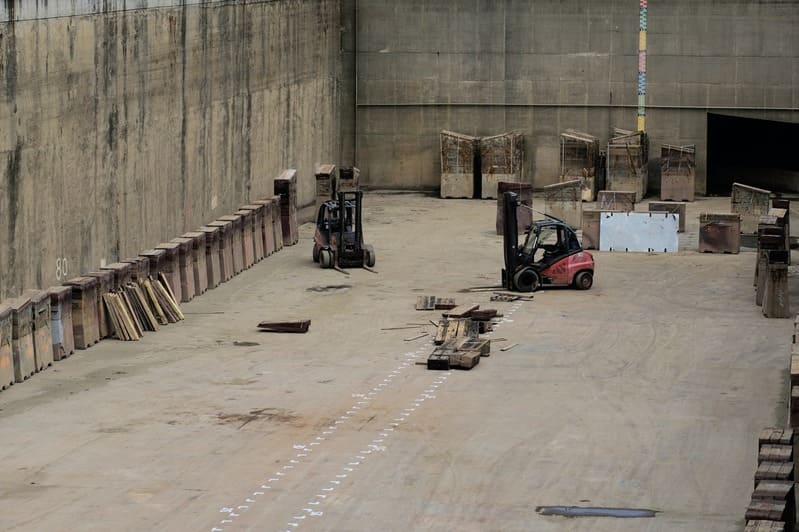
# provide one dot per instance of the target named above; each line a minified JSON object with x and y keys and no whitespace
{"x":759,"y":153}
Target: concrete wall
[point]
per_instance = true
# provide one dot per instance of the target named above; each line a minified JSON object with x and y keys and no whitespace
{"x":127,"y":123}
{"x":540,"y":66}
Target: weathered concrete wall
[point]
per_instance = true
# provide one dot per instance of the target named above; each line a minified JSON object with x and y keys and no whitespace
{"x":123,"y":124}
{"x":540,"y":66}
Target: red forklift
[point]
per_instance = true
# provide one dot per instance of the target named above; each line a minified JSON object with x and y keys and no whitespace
{"x":338,"y":241}
{"x":550,"y":256}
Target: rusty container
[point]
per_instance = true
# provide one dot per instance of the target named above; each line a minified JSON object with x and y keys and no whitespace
{"x":42,"y":334}
{"x":615,"y":200}
{"x":591,"y":222}
{"x":171,"y":267}
{"x":7,"y":377}
{"x":61,"y":321}
{"x":277,"y":223}
{"x":185,"y":268}
{"x":269,"y":225}
{"x":258,"y":229}
{"x":719,"y":233}
{"x":123,"y":274}
{"x":213,"y":258}
{"x":524,"y":215}
{"x":247,"y":236}
{"x":156,"y":259}
{"x":564,"y":201}
{"x":326,"y":184}
{"x":22,"y":343}
{"x":198,"y":261}
{"x":776,"y":301}
{"x":225,"y":248}
{"x":677,"y":172}
{"x":349,"y":179}
{"x":139,"y":268}
{"x":750,"y":203}
{"x":237,"y":240}
{"x":672,"y":207}
{"x":105,"y":284}
{"x":86,"y":330}
{"x":285,"y":186}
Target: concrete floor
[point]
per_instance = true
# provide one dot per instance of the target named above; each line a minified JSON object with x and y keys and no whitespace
{"x":646,"y":392}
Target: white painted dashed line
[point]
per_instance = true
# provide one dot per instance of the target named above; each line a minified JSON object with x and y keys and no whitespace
{"x":410,"y":361}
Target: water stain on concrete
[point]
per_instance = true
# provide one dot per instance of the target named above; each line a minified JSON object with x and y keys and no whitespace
{"x":277,"y":415}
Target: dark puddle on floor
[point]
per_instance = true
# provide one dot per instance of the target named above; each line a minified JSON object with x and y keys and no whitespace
{"x":589,"y":511}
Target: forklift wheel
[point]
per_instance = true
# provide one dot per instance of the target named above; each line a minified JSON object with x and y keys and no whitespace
{"x":370,"y":257}
{"x":315,"y":253}
{"x":325,"y":258}
{"x":527,"y":280}
{"x":584,"y":280}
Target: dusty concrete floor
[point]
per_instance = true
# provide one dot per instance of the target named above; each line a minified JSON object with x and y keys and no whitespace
{"x":647,"y":391}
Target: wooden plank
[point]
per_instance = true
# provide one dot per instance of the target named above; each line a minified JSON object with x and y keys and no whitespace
{"x":759,"y":525}
{"x":444,"y":303}
{"x":425,"y":302}
{"x":776,"y":436}
{"x":778,"y":490}
{"x":462,"y":311}
{"x":775,"y":453}
{"x":768,"y":510}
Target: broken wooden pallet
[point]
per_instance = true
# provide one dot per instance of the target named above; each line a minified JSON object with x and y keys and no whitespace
{"x":461,"y":353}
{"x":760,"y":525}
{"x":462,"y":311}
{"x":295,"y":327}
{"x":434,"y":303}
{"x":453,"y":328}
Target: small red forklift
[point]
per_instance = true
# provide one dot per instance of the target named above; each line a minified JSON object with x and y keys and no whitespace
{"x":338,"y":241}
{"x":550,"y":256}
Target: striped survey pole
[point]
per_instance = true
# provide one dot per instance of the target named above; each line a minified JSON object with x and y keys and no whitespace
{"x":642,"y":66}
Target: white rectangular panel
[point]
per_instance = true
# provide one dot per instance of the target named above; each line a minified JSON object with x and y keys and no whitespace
{"x":646,"y":232}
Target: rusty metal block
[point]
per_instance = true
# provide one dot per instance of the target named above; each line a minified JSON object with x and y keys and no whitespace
{"x":186,"y":268}
{"x":237,"y":241}
{"x":591,"y":223}
{"x":105,"y":284}
{"x":673,"y":207}
{"x":501,"y":158}
{"x":22,"y":343}
{"x":627,"y":159}
{"x":198,"y":261}
{"x":40,"y":320}
{"x":615,"y":201}
{"x":285,"y":186}
{"x":564,"y":201}
{"x":719,"y":233}
{"x":751,"y":203}
{"x":580,"y":159}
{"x":225,"y":248}
{"x":524,"y":215}
{"x":247,"y":236}
{"x":7,"y":377}
{"x":61,"y":321}
{"x":325,"y":183}
{"x":86,"y":330}
{"x":457,"y":164}
{"x":171,"y":267}
{"x":677,"y":172}
{"x":259,"y":225}
{"x":349,"y":179}
{"x":213,"y":256}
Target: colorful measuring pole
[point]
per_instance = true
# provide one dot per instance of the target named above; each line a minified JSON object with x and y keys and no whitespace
{"x":642,"y":66}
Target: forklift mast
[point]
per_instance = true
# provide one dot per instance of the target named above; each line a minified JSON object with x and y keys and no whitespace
{"x":510,"y":241}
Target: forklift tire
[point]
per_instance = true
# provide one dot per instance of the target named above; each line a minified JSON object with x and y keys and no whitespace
{"x":315,"y":253}
{"x":369,"y":256}
{"x":583,"y":280}
{"x":325,"y":258}
{"x":527,"y":280}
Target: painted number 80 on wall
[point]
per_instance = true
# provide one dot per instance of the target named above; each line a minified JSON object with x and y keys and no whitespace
{"x":61,"y":268}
